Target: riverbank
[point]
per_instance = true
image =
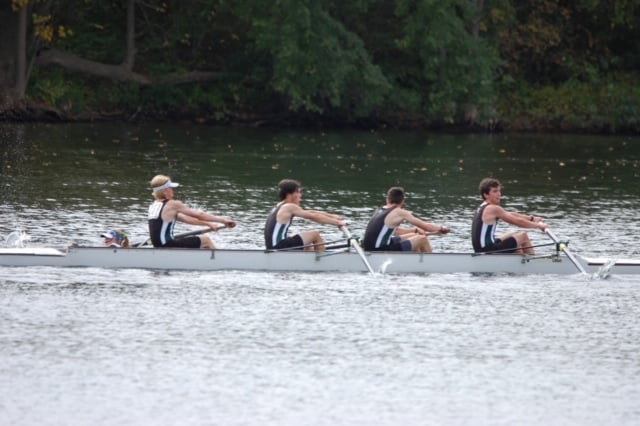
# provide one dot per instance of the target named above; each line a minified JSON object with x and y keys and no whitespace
{"x":612,"y":107}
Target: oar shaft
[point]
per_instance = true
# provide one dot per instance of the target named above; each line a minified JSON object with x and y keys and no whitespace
{"x":480,"y":253}
{"x":196,"y":232}
{"x":185,"y":234}
{"x":305,"y":246}
{"x":566,"y":251}
{"x":358,"y":249}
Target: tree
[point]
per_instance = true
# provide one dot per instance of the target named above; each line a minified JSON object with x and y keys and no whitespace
{"x":441,"y":51}
{"x":552,"y":41}
{"x":311,"y":58}
{"x":13,"y":61}
{"x":49,"y":36}
{"x":414,"y":61}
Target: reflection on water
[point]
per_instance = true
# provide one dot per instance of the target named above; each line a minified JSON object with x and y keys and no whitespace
{"x":93,"y":346}
{"x":72,"y":181}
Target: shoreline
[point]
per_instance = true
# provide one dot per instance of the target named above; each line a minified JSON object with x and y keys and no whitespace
{"x":38,"y":113}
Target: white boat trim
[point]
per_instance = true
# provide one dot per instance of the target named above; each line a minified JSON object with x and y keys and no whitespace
{"x":345,"y":260}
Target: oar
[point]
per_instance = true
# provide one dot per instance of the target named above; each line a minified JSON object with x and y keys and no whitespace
{"x":563,"y":247}
{"x":356,"y":246}
{"x":184,"y":235}
{"x":200,"y":231}
{"x":482,"y":253}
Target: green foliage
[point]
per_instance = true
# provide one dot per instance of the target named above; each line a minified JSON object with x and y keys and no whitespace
{"x":316,"y":62}
{"x":531,"y":63}
{"x":160,"y":101}
{"x":612,"y":105}
{"x":443,"y":62}
{"x":52,"y":87}
{"x":98,"y":28}
{"x":551,"y":41}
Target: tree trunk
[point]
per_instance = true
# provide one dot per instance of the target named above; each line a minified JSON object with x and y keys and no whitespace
{"x":475,"y":28}
{"x":8,"y":58}
{"x":21,"y":53}
{"x":130,"y":54}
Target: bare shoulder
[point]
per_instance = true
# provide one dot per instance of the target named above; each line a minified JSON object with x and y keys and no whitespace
{"x":493,"y":211}
{"x":400,"y":212}
{"x":175,"y":205}
{"x":290,"y":207}
{"x":499,"y":212}
{"x":397,"y":215}
{"x":178,"y":207}
{"x":493,"y":208}
{"x":287,"y":211}
{"x":171,"y":209}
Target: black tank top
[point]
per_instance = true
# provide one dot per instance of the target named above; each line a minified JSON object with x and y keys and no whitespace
{"x":160,"y":232}
{"x":377,"y":233}
{"x":482,"y":235}
{"x":275,"y":232}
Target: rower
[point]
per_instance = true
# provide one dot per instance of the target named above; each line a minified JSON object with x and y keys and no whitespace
{"x":486,"y":218}
{"x":165,"y":211}
{"x":281,"y":216}
{"x":383,"y":231}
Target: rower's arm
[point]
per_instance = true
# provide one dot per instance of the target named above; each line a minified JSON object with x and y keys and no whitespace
{"x":319,"y":217}
{"x":520,"y":220}
{"x":335,"y":216}
{"x":422,"y":224}
{"x":189,"y":220}
{"x":199,"y":217}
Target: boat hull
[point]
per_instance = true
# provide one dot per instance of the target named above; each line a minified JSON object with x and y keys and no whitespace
{"x":304,"y":261}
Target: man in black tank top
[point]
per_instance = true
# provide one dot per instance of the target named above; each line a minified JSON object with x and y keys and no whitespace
{"x":280,"y":218}
{"x":486,"y":218}
{"x":383,"y":231}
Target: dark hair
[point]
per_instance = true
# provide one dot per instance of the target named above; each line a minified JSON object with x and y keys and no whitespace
{"x":395,"y":195}
{"x":486,"y":184}
{"x":286,"y":187}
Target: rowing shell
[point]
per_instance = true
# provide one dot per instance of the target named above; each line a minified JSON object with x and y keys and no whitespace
{"x":307,"y":261}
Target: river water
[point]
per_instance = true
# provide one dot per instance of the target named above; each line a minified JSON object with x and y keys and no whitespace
{"x":138,"y":347}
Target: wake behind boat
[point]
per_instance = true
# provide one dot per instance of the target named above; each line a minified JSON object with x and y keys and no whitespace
{"x":342,"y":260}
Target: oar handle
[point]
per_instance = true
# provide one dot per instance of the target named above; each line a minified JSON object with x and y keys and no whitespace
{"x":345,"y":231}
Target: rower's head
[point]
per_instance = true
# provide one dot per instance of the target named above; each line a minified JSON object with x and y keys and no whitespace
{"x":487,"y":184}
{"x":287,"y":187}
{"x":162,"y":187}
{"x":115,"y":236}
{"x":395,"y":195}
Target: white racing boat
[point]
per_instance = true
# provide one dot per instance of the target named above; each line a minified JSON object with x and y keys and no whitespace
{"x":342,"y":260}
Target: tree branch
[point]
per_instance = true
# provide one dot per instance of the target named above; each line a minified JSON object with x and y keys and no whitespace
{"x":121,"y":72}
{"x":76,"y":64}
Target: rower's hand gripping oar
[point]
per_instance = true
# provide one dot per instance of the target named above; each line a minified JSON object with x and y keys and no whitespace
{"x":358,"y":249}
{"x":563,"y":247}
